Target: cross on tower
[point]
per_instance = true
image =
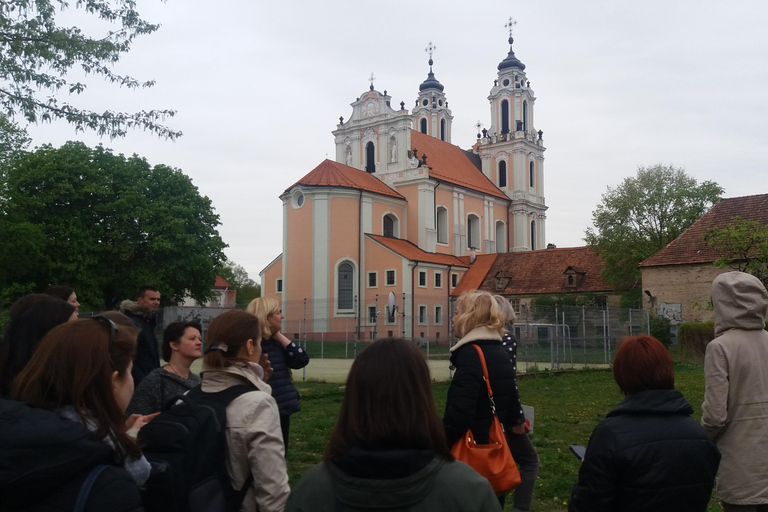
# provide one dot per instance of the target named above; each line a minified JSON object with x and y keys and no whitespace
{"x":509,"y":24}
{"x":371,"y":79}
{"x":429,"y":49}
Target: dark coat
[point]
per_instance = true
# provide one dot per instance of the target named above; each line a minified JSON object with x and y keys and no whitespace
{"x":648,"y":454}
{"x":467,"y":405}
{"x":45,"y":460}
{"x":147,"y":349}
{"x":509,"y":343}
{"x":282,"y":360}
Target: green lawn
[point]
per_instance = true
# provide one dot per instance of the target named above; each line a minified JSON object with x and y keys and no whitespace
{"x":567,"y":407}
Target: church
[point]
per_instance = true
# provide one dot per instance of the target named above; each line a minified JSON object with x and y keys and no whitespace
{"x":401,"y":211}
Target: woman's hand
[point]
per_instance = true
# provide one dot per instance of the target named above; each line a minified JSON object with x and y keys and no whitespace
{"x":282,"y":338}
{"x":139,"y":420}
{"x":522,"y":428}
{"x":266,"y":366}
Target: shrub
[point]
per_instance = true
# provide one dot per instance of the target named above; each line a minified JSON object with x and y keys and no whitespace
{"x":694,"y":336}
{"x":659,"y":327}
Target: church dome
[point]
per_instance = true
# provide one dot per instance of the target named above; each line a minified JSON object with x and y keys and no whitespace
{"x":431,"y":82}
{"x":511,"y":61}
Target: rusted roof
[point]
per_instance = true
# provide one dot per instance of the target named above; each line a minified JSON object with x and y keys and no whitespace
{"x":690,"y":246}
{"x":334,"y":174}
{"x":540,"y":272}
{"x":412,"y":252}
{"x":449,"y":163}
{"x":221,"y":283}
{"x":475,"y":274}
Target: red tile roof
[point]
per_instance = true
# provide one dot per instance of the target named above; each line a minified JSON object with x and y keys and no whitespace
{"x":334,"y":174}
{"x":541,"y":272}
{"x":221,"y":283}
{"x":412,"y":252}
{"x":449,"y":163}
{"x":474,"y":276}
{"x":690,"y":247}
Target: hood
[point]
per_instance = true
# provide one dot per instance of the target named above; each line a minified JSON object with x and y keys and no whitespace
{"x":653,"y":401}
{"x":740,"y":302}
{"x":383,"y":479}
{"x":131,"y":306}
{"x":482,"y":332}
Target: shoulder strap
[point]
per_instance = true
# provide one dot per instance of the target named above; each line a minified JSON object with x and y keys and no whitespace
{"x":85,"y":489}
{"x":485,"y":378}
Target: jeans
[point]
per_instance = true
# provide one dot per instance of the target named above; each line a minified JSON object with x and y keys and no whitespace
{"x":528,"y":463}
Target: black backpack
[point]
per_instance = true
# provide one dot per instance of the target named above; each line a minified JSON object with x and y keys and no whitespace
{"x":190,"y":438}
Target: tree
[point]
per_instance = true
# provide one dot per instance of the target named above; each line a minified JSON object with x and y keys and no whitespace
{"x":38,"y":56}
{"x":12,"y":139}
{"x":642,"y":215}
{"x":744,"y":245}
{"x":237,"y":276}
{"x":105,"y":224}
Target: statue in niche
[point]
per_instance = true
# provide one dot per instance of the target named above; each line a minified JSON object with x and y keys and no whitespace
{"x":393,"y":157}
{"x":349,"y":156}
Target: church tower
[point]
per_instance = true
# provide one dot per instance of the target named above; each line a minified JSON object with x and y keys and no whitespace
{"x":512,"y":152}
{"x":431,"y":114}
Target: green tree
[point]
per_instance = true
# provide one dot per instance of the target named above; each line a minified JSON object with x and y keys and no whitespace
{"x":38,"y":56}
{"x":105,"y":224}
{"x":237,"y":276}
{"x":12,"y":139}
{"x":642,"y":215}
{"x":743,"y":244}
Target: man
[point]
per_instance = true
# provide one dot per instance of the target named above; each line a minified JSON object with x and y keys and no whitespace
{"x":735,"y":409}
{"x":142,"y":312}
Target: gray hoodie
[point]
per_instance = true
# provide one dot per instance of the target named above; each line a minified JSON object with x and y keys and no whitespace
{"x":735,"y":408}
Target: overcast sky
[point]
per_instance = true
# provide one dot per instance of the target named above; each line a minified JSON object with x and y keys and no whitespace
{"x":259,"y":86}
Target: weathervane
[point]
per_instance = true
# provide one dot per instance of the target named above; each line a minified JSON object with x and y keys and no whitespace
{"x":371,"y":79}
{"x":429,"y":49}
{"x":509,"y":24}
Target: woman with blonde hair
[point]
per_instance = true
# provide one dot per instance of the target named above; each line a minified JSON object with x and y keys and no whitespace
{"x":479,"y":322}
{"x":283,"y":356}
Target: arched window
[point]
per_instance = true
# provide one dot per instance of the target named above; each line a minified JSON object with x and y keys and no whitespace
{"x":533,"y":235}
{"x":389,"y":226}
{"x":501,"y":236}
{"x":442,"y":225}
{"x":473,"y":231}
{"x":532,"y":172}
{"x":346,"y":286}
{"x":442,"y":129}
{"x":423,"y":125}
{"x":525,"y":116}
{"x":504,"y":116}
{"x":502,"y":174}
{"x":370,"y":157}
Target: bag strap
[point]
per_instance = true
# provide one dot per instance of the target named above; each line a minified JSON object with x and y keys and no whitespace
{"x":486,"y":379}
{"x":85,"y":489}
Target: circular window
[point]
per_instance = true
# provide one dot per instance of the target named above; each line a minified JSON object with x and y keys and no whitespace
{"x":506,"y":82}
{"x":440,"y":102}
{"x":300,"y":200}
{"x":297,"y":199}
{"x":425,"y":102}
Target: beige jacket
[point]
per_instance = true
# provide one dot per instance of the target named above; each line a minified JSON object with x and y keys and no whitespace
{"x":254,"y":439}
{"x":735,"y":408}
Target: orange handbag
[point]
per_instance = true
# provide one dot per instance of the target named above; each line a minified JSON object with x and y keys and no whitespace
{"x":493,"y":460}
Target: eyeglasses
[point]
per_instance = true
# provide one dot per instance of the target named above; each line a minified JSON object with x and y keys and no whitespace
{"x":112,"y":330}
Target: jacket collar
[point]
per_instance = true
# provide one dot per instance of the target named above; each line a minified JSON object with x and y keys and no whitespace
{"x":482,"y":332}
{"x":133,"y":307}
{"x":654,"y":401}
{"x":218,"y":379}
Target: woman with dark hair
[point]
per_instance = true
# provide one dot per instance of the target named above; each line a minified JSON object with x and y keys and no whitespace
{"x":182,"y":345}
{"x":64,"y":293}
{"x":30,"y":318}
{"x":388,"y":449}
{"x":254,"y":440}
{"x":648,"y":454}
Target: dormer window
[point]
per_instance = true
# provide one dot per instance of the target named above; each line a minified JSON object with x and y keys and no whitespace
{"x":502,"y":280}
{"x":573,"y":276}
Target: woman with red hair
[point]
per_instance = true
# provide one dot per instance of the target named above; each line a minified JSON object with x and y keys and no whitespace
{"x":648,"y":453}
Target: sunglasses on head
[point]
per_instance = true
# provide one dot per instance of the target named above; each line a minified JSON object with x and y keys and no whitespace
{"x":112,"y":329}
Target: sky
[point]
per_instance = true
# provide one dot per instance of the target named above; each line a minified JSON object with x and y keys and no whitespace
{"x":259,"y":86}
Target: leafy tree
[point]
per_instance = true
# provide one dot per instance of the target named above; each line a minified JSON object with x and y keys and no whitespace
{"x":12,"y":139}
{"x":38,"y":56}
{"x":744,"y":245}
{"x":642,"y":215}
{"x":237,"y":276}
{"x":105,"y":224}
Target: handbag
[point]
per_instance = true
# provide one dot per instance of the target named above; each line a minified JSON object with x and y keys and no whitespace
{"x":493,"y":460}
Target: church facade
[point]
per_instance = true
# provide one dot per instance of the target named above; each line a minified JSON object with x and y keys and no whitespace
{"x":402,"y":211}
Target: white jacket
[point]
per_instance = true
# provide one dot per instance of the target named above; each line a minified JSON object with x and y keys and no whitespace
{"x":254,"y":439}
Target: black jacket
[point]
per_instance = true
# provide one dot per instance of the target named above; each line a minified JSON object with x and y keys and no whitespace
{"x":648,"y":454}
{"x":467,"y":405}
{"x":282,"y":359}
{"x":44,"y":460}
{"x":147,"y":350}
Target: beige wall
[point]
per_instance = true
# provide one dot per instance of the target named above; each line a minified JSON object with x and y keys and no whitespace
{"x":690,"y":286}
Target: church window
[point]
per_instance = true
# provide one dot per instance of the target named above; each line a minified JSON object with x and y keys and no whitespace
{"x":502,"y":174}
{"x":373,"y":278}
{"x":425,"y":102}
{"x":442,"y":129}
{"x":504,"y":116}
{"x":422,"y":316}
{"x":346,"y":286}
{"x":525,"y":116}
{"x":473,"y":231}
{"x":442,"y":225}
{"x":422,"y":278}
{"x":454,"y":280}
{"x":501,"y":236}
{"x":390,"y":278}
{"x":438,"y":316}
{"x":533,"y":235}
{"x":423,"y":125}
{"x":390,"y":226}
{"x":370,"y":157}
{"x":506,"y":82}
{"x":440,"y":102}
{"x":438,"y":279}
{"x":372,"y":315}
{"x":279,"y":286}
{"x":532,"y":172}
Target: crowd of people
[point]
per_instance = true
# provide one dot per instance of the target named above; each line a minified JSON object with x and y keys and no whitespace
{"x":76,"y":392}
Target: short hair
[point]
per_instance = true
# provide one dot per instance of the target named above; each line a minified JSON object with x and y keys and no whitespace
{"x":73,"y":366}
{"x":229,"y":331}
{"x":643,"y":363}
{"x":506,"y":309}
{"x":30,"y":318}
{"x":147,"y":288}
{"x":60,"y":291}
{"x":388,"y":403}
{"x":477,"y":308}
{"x":173,"y":334}
{"x":261,"y":308}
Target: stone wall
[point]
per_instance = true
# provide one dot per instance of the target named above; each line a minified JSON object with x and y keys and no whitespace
{"x":680,"y":292}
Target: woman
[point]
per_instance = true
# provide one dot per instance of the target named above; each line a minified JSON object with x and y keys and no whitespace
{"x":388,"y":449}
{"x":64,"y":293}
{"x":182,"y":345}
{"x":31,"y":317}
{"x":253,"y":422}
{"x":480,"y":322}
{"x":283,"y":355}
{"x":519,"y":443}
{"x":648,"y":453}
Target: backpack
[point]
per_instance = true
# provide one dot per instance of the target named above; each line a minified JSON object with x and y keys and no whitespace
{"x":190,"y":438}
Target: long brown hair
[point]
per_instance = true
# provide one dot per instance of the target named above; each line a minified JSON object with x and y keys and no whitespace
{"x":73,"y":367}
{"x":388,"y":403}
{"x":227,"y":334}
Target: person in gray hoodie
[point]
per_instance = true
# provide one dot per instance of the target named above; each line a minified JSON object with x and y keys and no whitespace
{"x":735,"y":408}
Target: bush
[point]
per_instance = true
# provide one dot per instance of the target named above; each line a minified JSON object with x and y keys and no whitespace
{"x":659,"y":327}
{"x":693,"y":337}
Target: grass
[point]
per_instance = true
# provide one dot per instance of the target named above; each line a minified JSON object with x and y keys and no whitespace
{"x":568,"y":407}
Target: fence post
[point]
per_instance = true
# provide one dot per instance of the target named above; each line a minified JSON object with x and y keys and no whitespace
{"x":608,"y":316}
{"x":376,"y":319}
{"x":584,"y":332}
{"x":304,"y":370}
{"x":357,"y":327}
{"x":403,"y":314}
{"x":648,"y":320}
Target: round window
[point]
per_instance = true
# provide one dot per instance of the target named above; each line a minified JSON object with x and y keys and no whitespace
{"x":300,"y":200}
{"x":425,"y":102}
{"x":506,"y":82}
{"x":297,"y":199}
{"x":440,"y":102}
